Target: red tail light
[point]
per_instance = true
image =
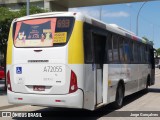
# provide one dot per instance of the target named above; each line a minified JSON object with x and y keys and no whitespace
{"x":9,"y":81}
{"x":73,"y":83}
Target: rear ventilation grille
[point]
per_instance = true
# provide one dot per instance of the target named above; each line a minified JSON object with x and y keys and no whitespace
{"x":38,"y":61}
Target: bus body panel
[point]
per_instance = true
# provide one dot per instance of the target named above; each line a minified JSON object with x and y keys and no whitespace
{"x":37,"y":73}
{"x":133,"y":75}
{"x":9,"y":48}
{"x":89,"y":87}
{"x":75,"y":45}
{"x":33,"y":75}
{"x":73,"y":100}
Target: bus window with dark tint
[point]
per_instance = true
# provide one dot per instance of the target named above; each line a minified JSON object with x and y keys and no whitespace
{"x":149,"y":57}
{"x":139,"y":53}
{"x":88,"y":44}
{"x":135,"y":52}
{"x":106,"y":53}
{"x":110,"y":52}
{"x":147,"y":54}
{"x":121,"y":50}
{"x":43,"y":32}
{"x":115,"y":49}
{"x":132,"y":51}
{"x":143,"y":54}
{"x":99,"y":49}
{"x":126,"y":49}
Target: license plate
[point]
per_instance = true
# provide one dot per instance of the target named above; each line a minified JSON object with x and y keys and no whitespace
{"x":38,"y":88}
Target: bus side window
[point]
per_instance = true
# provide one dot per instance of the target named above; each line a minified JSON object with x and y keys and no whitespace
{"x":126,"y":49}
{"x":115,"y":49}
{"x":121,"y":51}
{"x":88,"y":44}
{"x":106,"y":53}
{"x":135,"y":52}
{"x":110,"y":53}
{"x":138,"y":53}
{"x":131,"y":51}
{"x":147,"y":54}
{"x":143,"y":55}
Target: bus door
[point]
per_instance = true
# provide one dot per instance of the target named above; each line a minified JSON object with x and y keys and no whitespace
{"x":99,"y":52}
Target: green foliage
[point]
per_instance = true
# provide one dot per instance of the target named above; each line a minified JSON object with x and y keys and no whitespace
{"x":158,"y":51}
{"x":33,"y":10}
{"x":6,"y":18}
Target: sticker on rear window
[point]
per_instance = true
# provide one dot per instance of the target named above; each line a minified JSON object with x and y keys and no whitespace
{"x":19,"y":70}
{"x":60,"y":37}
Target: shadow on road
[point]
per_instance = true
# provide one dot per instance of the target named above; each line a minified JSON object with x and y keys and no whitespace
{"x":66,"y":113}
{"x":133,"y":97}
{"x":2,"y":87}
{"x":3,"y":93}
{"x":154,"y":90}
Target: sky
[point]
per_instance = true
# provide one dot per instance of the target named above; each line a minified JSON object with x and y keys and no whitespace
{"x":125,"y":15}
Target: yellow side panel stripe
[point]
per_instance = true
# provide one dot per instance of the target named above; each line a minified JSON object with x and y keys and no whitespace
{"x":9,"y":48}
{"x":75,"y":47}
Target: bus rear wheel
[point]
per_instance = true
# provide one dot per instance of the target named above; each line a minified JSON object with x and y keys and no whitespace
{"x":147,"y":84}
{"x":119,"y":97}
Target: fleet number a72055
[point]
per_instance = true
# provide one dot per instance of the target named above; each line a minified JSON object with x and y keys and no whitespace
{"x":52,"y":69}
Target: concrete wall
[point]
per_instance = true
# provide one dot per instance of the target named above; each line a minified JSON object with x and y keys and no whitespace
{"x":17,"y":4}
{"x":52,"y":6}
{"x":62,"y":5}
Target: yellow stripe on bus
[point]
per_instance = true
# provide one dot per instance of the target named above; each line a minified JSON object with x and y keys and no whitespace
{"x":9,"y":48}
{"x":75,"y":47}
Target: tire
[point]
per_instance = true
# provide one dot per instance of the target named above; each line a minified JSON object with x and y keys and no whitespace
{"x":119,"y":97}
{"x":147,"y":84}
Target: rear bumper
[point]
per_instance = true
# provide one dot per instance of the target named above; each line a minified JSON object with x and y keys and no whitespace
{"x":73,"y":100}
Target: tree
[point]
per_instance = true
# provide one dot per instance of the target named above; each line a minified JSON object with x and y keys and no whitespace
{"x":158,"y":51}
{"x":33,"y":10}
{"x":6,"y":18}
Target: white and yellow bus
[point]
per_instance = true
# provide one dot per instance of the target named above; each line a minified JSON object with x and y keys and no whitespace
{"x":67,"y":59}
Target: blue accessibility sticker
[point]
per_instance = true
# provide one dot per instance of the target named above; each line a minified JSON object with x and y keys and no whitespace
{"x":19,"y":70}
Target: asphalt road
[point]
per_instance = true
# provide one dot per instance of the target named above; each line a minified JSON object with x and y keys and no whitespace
{"x":140,"y":101}
{"x":2,"y":84}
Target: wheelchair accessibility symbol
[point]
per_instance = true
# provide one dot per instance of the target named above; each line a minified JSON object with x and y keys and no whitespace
{"x":19,"y":70}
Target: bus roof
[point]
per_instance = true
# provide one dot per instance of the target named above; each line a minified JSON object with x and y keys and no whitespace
{"x":81,"y":17}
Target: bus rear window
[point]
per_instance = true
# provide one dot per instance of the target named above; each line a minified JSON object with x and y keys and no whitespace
{"x":45,"y":32}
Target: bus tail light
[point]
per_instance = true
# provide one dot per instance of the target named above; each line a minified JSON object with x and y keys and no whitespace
{"x":9,"y":81}
{"x":20,"y":98}
{"x":73,"y":83}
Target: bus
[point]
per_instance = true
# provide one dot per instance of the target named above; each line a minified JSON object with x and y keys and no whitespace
{"x":68,"y":59}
